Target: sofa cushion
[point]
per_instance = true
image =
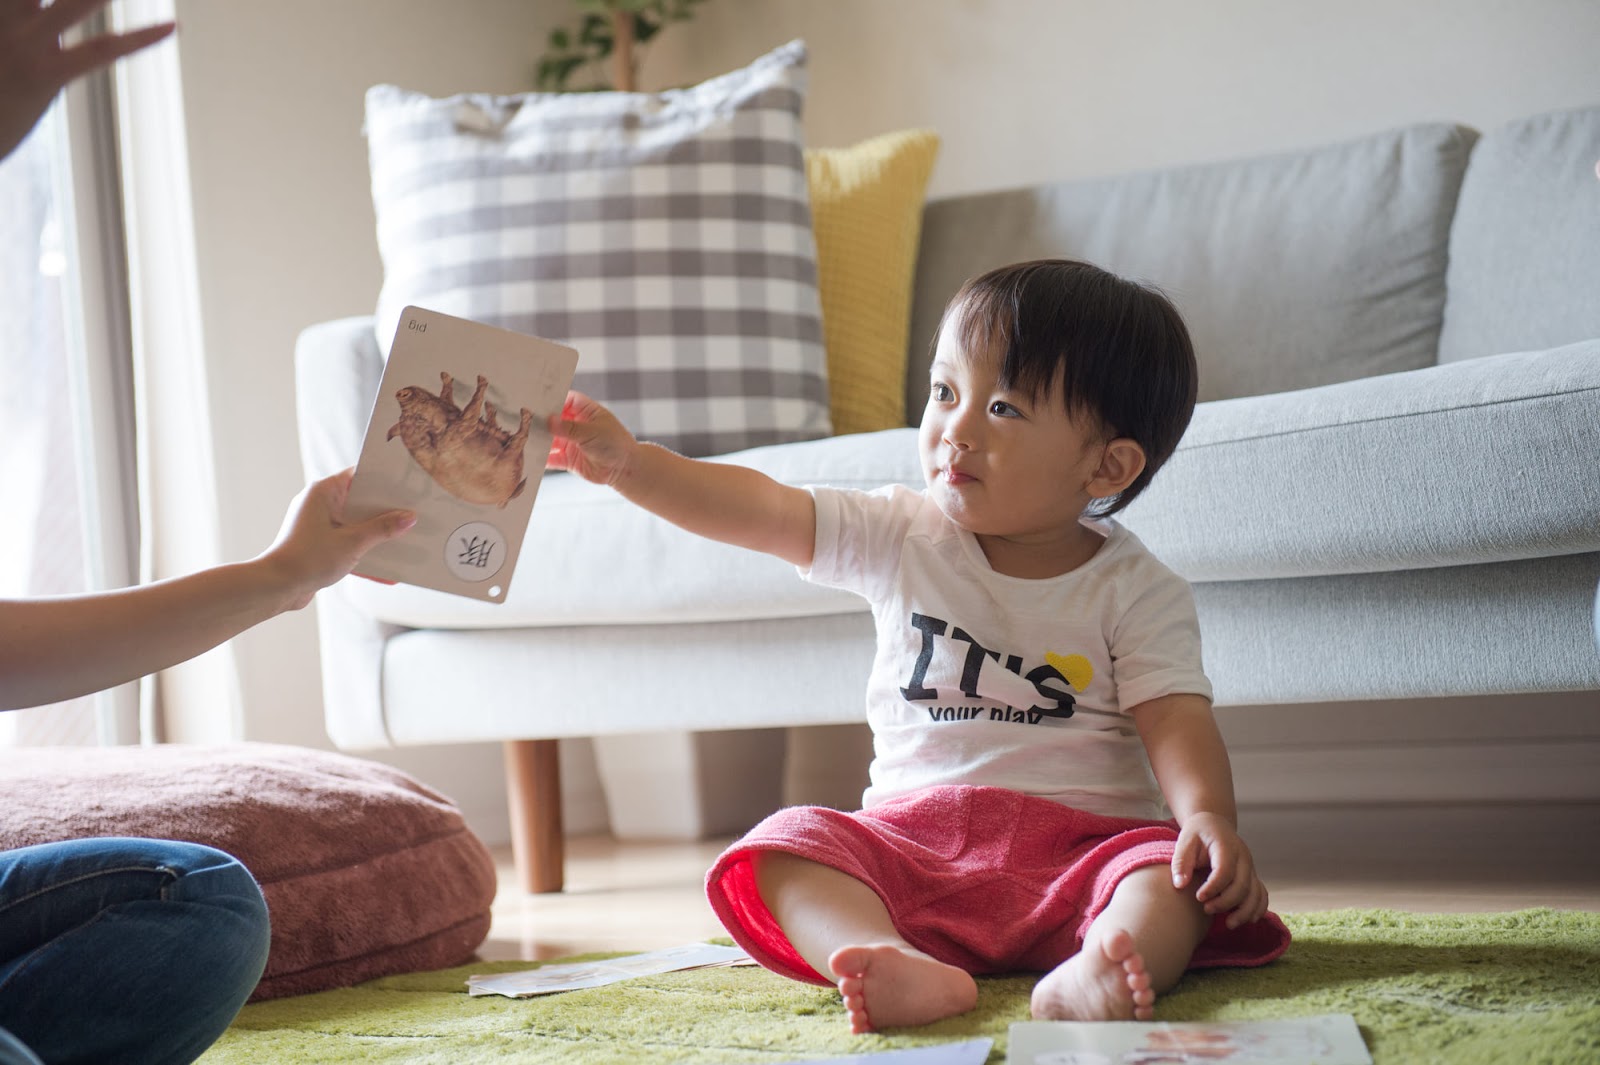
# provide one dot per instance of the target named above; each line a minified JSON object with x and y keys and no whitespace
{"x":1525,"y":244}
{"x":666,"y":236}
{"x":1479,"y":461}
{"x":1486,"y":460}
{"x":1292,"y":270}
{"x":866,"y":209}
{"x":366,"y":872}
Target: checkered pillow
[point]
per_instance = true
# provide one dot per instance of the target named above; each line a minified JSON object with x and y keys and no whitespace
{"x":666,"y":236}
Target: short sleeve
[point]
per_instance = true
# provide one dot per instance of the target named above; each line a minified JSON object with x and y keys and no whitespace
{"x":859,"y":537}
{"x":1155,"y":644}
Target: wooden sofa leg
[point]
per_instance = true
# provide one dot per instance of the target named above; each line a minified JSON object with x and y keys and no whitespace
{"x":533,"y":786}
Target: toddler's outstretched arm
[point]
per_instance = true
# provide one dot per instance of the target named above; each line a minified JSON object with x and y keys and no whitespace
{"x":66,"y":646}
{"x":1191,"y":765}
{"x":717,"y":500}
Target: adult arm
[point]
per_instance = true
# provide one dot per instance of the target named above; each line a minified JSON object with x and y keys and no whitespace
{"x":66,"y":646}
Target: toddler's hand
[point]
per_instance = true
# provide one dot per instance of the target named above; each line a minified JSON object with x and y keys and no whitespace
{"x":589,"y":441}
{"x":1232,"y":887}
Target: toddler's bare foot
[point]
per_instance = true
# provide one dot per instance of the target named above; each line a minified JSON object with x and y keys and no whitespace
{"x":1105,"y":981}
{"x":887,"y":987}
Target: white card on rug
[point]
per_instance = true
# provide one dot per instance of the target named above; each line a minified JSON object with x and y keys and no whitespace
{"x":971,"y":1052}
{"x":457,"y":434}
{"x":574,"y":976}
{"x":1327,"y":1039}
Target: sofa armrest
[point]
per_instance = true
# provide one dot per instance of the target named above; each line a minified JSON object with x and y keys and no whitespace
{"x":337,"y":367}
{"x":1482,"y":461}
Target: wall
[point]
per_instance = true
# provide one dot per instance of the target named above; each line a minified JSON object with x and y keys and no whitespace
{"x":1031,"y":90}
{"x":1021,"y":90}
{"x":284,"y":231}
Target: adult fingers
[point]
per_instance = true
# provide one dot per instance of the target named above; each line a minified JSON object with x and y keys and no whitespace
{"x":59,"y":17}
{"x":381,"y":527}
{"x":106,"y":49}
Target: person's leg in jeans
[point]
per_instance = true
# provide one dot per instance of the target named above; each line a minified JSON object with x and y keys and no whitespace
{"x":125,"y":950}
{"x":12,"y":1052}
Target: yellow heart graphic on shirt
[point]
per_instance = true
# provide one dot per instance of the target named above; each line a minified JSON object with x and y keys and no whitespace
{"x":1075,"y":668}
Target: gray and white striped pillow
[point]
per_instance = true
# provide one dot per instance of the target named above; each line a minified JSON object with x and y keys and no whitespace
{"x":666,"y":236}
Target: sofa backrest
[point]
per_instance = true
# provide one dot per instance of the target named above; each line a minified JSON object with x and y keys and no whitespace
{"x":1292,"y":270}
{"x":1525,"y":246}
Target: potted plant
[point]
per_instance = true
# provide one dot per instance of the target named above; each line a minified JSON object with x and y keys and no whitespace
{"x":608,"y":37}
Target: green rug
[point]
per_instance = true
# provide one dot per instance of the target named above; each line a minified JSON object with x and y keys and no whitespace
{"x":1522,"y":988}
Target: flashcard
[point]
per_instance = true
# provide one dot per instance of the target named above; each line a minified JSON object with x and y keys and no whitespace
{"x":457,"y":434}
{"x":1327,"y":1039}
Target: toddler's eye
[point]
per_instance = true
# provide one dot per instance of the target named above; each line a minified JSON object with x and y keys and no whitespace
{"x":940,"y":392}
{"x":1001,"y":409}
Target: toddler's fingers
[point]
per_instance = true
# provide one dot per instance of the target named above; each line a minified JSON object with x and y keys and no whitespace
{"x":1211,"y":889}
{"x":1230,"y":897}
{"x":1186,"y":857}
{"x":1252,"y":908}
{"x":1224,"y":872}
{"x":1183,"y":858}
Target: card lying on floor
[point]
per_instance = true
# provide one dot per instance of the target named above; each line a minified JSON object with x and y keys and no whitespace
{"x":575,"y":976}
{"x":1328,"y":1039}
{"x":971,"y":1052}
{"x":457,"y":434}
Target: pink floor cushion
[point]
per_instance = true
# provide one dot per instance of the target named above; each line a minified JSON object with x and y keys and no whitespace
{"x":366,"y":872}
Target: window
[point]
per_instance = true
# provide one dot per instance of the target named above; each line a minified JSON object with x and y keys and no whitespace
{"x":66,"y":463}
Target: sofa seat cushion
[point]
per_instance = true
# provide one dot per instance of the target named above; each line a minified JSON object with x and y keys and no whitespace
{"x":592,"y":558}
{"x":366,"y":872}
{"x":1480,"y":461}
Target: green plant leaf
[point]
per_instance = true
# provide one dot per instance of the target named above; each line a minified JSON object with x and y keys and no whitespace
{"x":570,"y":49}
{"x":596,"y":32}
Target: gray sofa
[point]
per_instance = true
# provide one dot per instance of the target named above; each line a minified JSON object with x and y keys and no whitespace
{"x":1389,"y":488}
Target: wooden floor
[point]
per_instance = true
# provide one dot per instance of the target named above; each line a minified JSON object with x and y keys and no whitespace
{"x":644,"y":895}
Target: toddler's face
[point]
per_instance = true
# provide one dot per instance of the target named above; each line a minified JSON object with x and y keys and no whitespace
{"x":997,"y":462}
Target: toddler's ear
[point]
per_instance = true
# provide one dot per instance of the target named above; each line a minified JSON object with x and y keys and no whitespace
{"x":1120,"y":466}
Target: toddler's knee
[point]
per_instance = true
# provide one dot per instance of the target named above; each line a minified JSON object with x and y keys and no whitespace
{"x":775,"y":868}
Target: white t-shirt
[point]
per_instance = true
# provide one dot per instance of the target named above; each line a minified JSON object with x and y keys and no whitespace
{"x":1000,"y":681}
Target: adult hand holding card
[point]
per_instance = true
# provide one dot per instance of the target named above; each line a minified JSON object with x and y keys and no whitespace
{"x":457,"y":434}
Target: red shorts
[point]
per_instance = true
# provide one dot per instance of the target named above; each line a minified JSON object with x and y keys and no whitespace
{"x":986,"y":879}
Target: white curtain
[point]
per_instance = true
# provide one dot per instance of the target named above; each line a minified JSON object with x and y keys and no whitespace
{"x":197,"y":702}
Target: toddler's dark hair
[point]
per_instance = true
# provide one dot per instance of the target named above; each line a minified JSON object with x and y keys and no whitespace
{"x":1119,"y":349}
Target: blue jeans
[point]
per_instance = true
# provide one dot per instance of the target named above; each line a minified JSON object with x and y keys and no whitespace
{"x":124,"y":950}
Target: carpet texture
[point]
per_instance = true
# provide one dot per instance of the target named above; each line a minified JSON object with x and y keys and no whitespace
{"x":1459,"y":988}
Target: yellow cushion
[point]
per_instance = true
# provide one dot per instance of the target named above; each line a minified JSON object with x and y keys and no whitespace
{"x":866,"y":210}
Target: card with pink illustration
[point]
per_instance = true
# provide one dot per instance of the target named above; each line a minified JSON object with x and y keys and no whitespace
{"x":1325,"y":1039}
{"x":457,"y":434}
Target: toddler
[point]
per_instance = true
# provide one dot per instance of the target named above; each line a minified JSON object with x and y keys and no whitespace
{"x":1049,"y":790}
